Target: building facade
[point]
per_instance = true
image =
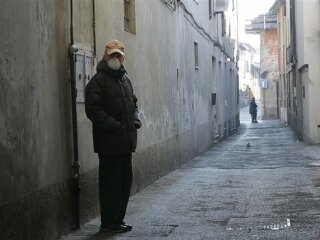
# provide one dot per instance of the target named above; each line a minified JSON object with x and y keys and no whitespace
{"x":249,"y":72}
{"x":225,"y":62}
{"x":298,"y":25}
{"x":303,"y":58}
{"x":182,"y":60}
{"x":279,"y":8}
{"x":266,"y":26}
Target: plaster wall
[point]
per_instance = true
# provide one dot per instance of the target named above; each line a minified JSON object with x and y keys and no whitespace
{"x":308,"y":49}
{"x":185,"y":97}
{"x":155,"y":65}
{"x":35,"y":136}
{"x":179,"y":121}
{"x":34,"y":97}
{"x":200,"y":11}
{"x":173,"y":96}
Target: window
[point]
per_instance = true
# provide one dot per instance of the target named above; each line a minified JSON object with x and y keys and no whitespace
{"x":210,"y":9}
{"x":196,"y":55}
{"x":129,"y":16}
{"x":223,"y":24}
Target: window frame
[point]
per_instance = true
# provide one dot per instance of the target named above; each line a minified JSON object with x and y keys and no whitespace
{"x":129,"y":16}
{"x":196,"y":55}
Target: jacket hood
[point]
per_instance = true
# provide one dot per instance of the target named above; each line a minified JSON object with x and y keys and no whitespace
{"x":103,"y":67}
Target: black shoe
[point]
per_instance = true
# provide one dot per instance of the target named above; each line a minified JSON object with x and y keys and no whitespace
{"x":126,"y":225}
{"x":115,"y":228}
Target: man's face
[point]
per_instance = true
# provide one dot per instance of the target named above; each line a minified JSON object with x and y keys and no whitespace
{"x":114,"y":55}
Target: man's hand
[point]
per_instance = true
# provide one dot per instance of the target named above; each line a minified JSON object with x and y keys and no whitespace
{"x":137,"y":123}
{"x":136,"y":120}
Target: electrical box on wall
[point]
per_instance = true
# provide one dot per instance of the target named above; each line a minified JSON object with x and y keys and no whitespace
{"x":83,"y":72}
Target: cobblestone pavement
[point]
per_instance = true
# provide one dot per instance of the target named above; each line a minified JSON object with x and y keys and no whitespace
{"x":269,"y":190}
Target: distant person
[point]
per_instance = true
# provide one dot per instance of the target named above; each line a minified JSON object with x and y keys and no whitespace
{"x":253,"y":110}
{"x":112,"y":107}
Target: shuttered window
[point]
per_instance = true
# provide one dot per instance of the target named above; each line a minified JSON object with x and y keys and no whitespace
{"x":129,"y":16}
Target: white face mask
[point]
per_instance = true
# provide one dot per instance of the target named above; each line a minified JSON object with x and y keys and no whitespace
{"x":114,"y":64}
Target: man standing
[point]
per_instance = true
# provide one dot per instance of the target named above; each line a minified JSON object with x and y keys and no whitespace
{"x":112,"y":107}
{"x":253,"y":111}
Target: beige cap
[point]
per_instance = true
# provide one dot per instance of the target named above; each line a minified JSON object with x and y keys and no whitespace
{"x":114,"y":46}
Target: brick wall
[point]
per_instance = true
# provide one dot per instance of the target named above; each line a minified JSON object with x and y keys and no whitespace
{"x":269,"y":63}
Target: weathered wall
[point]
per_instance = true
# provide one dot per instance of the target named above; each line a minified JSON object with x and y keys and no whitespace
{"x":227,"y":84}
{"x":269,"y":63}
{"x":174,"y":98}
{"x":35,"y":137}
{"x":294,"y":105}
{"x":308,"y":54}
{"x":35,"y":144}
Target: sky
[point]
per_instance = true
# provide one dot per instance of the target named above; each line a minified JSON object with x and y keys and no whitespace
{"x":249,"y":9}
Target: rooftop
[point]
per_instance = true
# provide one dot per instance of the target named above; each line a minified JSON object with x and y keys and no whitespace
{"x":261,"y":23}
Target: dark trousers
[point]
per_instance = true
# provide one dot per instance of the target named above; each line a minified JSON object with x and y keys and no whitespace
{"x":115,"y":180}
{"x":253,"y":117}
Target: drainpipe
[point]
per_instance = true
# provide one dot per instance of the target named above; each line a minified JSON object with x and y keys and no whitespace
{"x":94,"y":28}
{"x":299,"y":117}
{"x":76,"y":165}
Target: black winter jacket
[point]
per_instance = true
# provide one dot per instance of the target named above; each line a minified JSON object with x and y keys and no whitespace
{"x":253,"y":108}
{"x":112,"y":107}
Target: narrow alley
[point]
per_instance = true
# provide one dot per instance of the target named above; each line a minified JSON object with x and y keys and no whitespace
{"x":268,"y":190}
{"x":146,"y":101}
